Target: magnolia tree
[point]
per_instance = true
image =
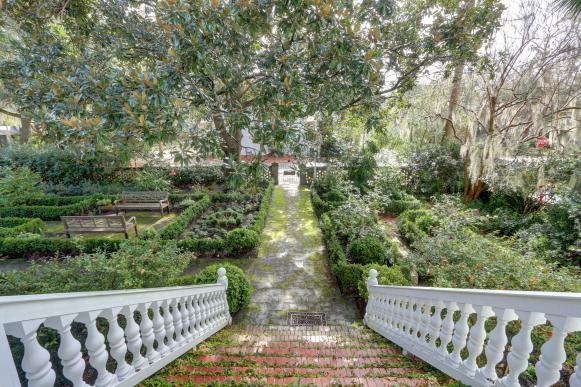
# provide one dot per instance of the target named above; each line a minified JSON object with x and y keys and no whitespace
{"x":119,"y":75}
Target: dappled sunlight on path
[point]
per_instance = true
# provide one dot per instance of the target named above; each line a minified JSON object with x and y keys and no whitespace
{"x":291,"y":272}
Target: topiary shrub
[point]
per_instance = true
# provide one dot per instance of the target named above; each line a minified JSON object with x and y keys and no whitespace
{"x":239,"y":287}
{"x":241,"y":240}
{"x":387,"y":275}
{"x":367,"y":250}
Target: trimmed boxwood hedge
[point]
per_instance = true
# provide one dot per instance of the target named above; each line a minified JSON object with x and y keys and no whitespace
{"x":237,"y":241}
{"x":53,"y":212}
{"x":14,"y":226}
{"x":12,"y":247}
{"x":176,"y":228}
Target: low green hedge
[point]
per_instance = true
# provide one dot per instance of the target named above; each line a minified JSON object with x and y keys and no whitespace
{"x":54,"y":212}
{"x":396,"y":207}
{"x":13,"y":226}
{"x":179,"y":225}
{"x":12,"y":247}
{"x":239,"y":287}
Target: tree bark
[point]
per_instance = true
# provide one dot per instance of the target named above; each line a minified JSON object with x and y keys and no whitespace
{"x":231,"y":142}
{"x":453,"y":102}
{"x":25,"y":125}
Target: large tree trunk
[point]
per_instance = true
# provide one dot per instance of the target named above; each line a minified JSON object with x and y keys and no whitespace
{"x":231,"y":142}
{"x":25,"y":126}
{"x":453,"y":102}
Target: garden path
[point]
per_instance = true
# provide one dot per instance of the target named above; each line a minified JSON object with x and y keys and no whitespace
{"x":291,"y":272}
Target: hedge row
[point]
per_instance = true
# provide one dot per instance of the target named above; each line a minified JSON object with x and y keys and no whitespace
{"x":12,"y":247}
{"x":14,"y":226}
{"x":352,"y":277}
{"x":53,"y":212}
{"x":237,"y":241}
{"x":179,"y":225}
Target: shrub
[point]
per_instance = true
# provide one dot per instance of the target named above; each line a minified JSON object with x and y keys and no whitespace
{"x":57,"y":165}
{"x":352,"y":219}
{"x":152,"y":179}
{"x":17,"y":182}
{"x":367,"y":250}
{"x":263,"y":210}
{"x":197,"y":175}
{"x":36,"y":246}
{"x":174,"y":229}
{"x":239,"y":287}
{"x":202,"y":245}
{"x":15,"y":226}
{"x":397,"y":206}
{"x":241,"y":240}
{"x":387,"y":275}
{"x":348,"y":275}
{"x":137,"y":264}
{"x":54,"y":212}
{"x":466,"y":259}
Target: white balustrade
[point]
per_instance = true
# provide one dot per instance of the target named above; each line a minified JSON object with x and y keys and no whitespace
{"x":426,"y":321}
{"x":162,"y":323}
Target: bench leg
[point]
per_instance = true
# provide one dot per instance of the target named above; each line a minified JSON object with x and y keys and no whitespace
{"x":136,"y":234}
{"x":126,"y":235}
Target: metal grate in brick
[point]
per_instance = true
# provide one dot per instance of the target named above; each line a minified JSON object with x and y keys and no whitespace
{"x":306,"y":318}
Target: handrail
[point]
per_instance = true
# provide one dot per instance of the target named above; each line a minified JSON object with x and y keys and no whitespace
{"x":435,"y":325}
{"x":158,"y":325}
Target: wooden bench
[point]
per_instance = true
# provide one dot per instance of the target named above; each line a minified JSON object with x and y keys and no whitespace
{"x":147,"y":200}
{"x":89,"y":224}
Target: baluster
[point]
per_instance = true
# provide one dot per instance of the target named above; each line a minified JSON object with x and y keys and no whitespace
{"x":147,"y":333}
{"x":211,"y":310}
{"x":95,"y":344}
{"x":447,"y":329}
{"x":159,"y":328}
{"x":191,"y":317}
{"x":177,"y":321}
{"x":117,"y":345}
{"x":416,"y":322}
{"x":553,"y":351}
{"x":426,"y":318}
{"x":575,"y":379}
{"x":496,"y":344}
{"x":404,"y":321}
{"x":69,"y":351}
{"x":203,"y":314}
{"x":391,"y":314}
{"x":435,"y":324}
{"x":185,"y":319}
{"x":477,"y":336}
{"x":521,"y":347}
{"x":460,"y":333}
{"x":198,"y":315}
{"x":168,"y":323}
{"x":398,"y":313}
{"x":133,"y":338}
{"x":36,"y":361}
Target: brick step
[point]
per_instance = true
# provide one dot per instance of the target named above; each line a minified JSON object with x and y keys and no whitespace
{"x":306,"y":352}
{"x":179,"y":380}
{"x":307,"y":362}
{"x":300,"y":372}
{"x":311,"y":345}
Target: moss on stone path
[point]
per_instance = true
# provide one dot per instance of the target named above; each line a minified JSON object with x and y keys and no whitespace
{"x":291,"y":272}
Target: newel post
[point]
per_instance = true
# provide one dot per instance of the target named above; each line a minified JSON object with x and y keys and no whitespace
{"x":222,"y":279}
{"x":371,"y":281}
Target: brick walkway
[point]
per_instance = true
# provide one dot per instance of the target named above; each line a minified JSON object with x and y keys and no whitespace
{"x":282,"y":355}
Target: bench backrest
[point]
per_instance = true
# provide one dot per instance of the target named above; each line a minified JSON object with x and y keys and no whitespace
{"x":93,"y":222}
{"x":144,"y":197}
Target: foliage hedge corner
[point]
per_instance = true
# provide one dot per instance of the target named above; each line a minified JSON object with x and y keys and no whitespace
{"x":176,"y":228}
{"x":239,"y":287}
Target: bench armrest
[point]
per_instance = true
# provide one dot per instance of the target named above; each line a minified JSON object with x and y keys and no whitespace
{"x":163,"y":201}
{"x":116,"y":201}
{"x":131,"y":220}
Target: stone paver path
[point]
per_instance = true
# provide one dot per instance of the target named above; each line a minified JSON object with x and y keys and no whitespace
{"x":291,"y":272}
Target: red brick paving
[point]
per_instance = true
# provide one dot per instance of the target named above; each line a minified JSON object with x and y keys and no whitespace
{"x":319,"y":356}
